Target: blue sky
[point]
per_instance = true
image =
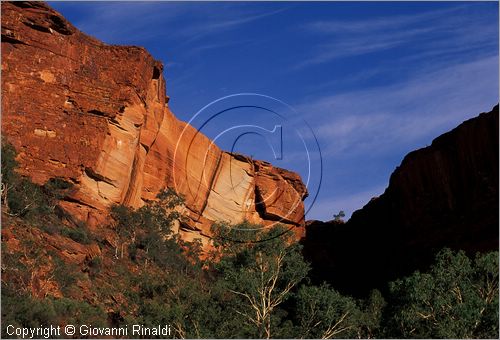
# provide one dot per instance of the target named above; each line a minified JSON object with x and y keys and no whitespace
{"x":374,"y":81}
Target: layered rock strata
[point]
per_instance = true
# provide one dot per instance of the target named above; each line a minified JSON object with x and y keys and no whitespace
{"x":97,"y":115}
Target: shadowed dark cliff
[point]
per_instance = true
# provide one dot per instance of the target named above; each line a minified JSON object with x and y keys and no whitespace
{"x":444,"y":195}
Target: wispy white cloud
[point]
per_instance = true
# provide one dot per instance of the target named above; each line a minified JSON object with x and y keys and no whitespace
{"x":440,"y":32}
{"x":378,"y":24}
{"x":363,"y":45}
{"x":197,"y":49}
{"x":380,"y":119}
{"x":221,"y":23}
{"x":119,"y":22}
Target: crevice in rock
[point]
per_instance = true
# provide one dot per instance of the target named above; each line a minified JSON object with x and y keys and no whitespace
{"x":186,"y":227}
{"x":134,"y":172}
{"x":74,"y":180}
{"x":97,"y":177}
{"x":211,"y":184}
{"x":146,"y":147}
{"x":241,"y":157}
{"x":156,"y":73}
{"x":60,"y":25}
{"x":37,"y":27}
{"x":71,"y":102}
{"x":63,"y":214}
{"x":260,"y":208}
{"x":28,"y":4}
{"x":97,"y":113}
{"x":114,"y":122}
{"x":154,"y":140}
{"x":12,"y":40}
{"x":78,"y":201}
{"x":141,"y":98}
{"x":276,"y":218}
{"x":260,"y":205}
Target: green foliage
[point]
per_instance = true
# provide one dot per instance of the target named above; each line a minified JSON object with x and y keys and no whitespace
{"x":324,"y":313}
{"x":25,"y":199}
{"x":51,"y":228}
{"x":171,"y":285}
{"x":16,"y":270}
{"x":179,"y":299}
{"x":94,"y":266}
{"x":338,"y":217}
{"x":149,"y":227}
{"x":169,"y":199}
{"x":458,"y":298}
{"x":35,"y":203}
{"x":21,"y":310}
{"x":79,"y":234}
{"x":9,"y":163}
{"x":57,"y":184}
{"x":260,"y":267}
{"x":65,"y":274}
{"x":370,"y":318}
{"x":75,"y":312}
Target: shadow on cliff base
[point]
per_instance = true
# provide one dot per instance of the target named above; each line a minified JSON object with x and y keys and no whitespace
{"x":444,"y":195}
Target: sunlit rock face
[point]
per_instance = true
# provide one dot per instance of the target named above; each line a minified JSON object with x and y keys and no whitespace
{"x":97,"y":115}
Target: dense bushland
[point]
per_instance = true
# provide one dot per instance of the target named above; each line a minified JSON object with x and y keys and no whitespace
{"x":253,"y":285}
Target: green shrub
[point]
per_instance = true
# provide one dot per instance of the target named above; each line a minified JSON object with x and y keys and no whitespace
{"x":57,"y":184}
{"x":79,"y":234}
{"x":259,"y":267}
{"x":324,"y":313}
{"x":457,"y":298}
{"x":21,"y":310}
{"x":51,"y":228}
{"x":94,"y":266}
{"x":65,"y":274}
{"x":26,"y":199}
{"x":9,"y":163}
{"x":95,"y":262}
{"x":148,"y":230}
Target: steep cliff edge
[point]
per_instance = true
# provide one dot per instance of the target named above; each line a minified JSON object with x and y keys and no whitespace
{"x":444,"y":195}
{"x":98,"y":116}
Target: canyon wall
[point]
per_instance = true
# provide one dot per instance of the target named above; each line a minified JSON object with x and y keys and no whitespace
{"x":444,"y":195}
{"x":97,"y":115}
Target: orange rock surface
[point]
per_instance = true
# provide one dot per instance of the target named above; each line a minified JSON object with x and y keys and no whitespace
{"x":97,"y":115}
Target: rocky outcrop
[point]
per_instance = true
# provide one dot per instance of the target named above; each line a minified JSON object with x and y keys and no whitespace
{"x":98,"y":116}
{"x":444,"y":195}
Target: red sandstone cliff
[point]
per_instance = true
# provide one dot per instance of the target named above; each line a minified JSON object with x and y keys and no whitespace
{"x":444,"y":195}
{"x":98,"y":116}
